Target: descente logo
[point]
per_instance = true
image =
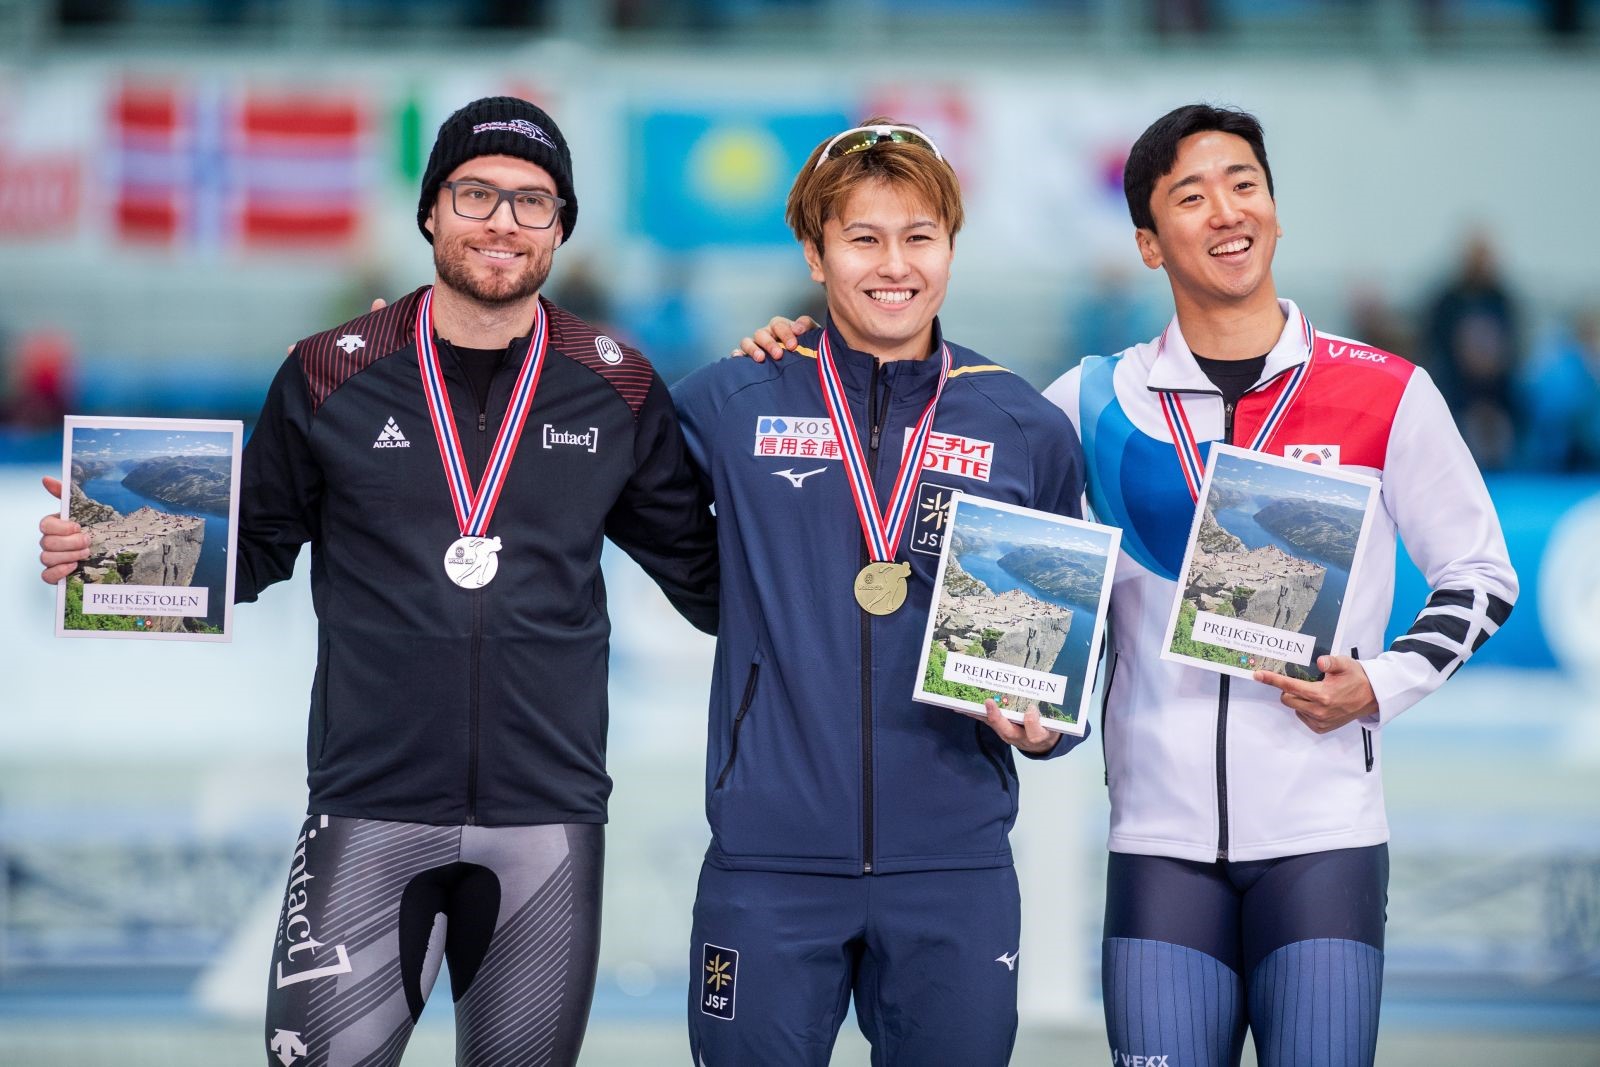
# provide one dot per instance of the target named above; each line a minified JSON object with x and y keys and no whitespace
{"x":589,"y":440}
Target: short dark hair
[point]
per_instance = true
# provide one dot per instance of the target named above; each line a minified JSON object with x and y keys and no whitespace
{"x":1155,"y":153}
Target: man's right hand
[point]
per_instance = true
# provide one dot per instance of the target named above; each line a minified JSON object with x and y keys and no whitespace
{"x":775,"y":338}
{"x":62,"y":542}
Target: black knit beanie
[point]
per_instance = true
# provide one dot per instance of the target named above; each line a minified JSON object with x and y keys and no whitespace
{"x":499,"y":126}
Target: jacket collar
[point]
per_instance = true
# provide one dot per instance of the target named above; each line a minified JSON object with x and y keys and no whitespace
{"x":1175,"y":369}
{"x":855,"y":366}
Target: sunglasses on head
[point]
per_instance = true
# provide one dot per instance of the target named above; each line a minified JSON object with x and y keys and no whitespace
{"x":861,"y":138}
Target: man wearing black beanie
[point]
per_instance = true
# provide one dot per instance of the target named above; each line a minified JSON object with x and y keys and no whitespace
{"x":454,"y":459}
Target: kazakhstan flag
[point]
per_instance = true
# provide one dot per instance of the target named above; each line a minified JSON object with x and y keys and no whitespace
{"x":719,"y":177}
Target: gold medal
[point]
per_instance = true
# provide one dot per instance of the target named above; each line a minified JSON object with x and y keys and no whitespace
{"x":881,"y":587}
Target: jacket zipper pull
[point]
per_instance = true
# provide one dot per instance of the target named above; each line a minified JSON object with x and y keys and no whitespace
{"x":483,"y":421}
{"x":1227,"y":419}
{"x":875,"y":430}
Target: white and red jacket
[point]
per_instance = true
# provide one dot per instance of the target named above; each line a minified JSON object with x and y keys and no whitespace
{"x":1202,"y":766}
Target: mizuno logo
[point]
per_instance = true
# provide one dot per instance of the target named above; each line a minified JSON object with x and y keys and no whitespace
{"x":1009,"y":960}
{"x":350,"y":342}
{"x":796,"y":479}
{"x":391,"y":437}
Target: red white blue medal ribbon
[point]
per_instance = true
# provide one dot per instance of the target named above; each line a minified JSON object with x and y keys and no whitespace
{"x":881,"y":530}
{"x":1183,"y":438}
{"x":474,"y":509}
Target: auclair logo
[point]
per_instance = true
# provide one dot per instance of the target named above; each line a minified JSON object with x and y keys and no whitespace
{"x":719,"y":980}
{"x":589,"y":440}
{"x":608,"y":349}
{"x":295,"y":930}
{"x":522,"y":126}
{"x":350,"y":342}
{"x":1338,"y":351}
{"x":390,"y":436}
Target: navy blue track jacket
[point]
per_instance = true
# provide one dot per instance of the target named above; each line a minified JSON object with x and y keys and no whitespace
{"x":818,"y":760}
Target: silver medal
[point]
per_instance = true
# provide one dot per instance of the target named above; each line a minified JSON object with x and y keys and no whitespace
{"x":471,"y":562}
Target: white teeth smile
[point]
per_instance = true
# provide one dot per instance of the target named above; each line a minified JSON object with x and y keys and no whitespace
{"x":495,"y":253}
{"x":890,"y":296}
{"x":1237,"y":245}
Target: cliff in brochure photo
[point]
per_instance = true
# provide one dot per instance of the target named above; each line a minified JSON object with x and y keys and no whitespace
{"x":146,"y":547}
{"x":1010,"y":627}
{"x":1261,"y":585}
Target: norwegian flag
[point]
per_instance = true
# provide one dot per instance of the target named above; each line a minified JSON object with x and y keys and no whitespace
{"x":209,"y":167}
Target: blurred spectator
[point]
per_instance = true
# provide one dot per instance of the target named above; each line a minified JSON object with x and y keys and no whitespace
{"x":1176,"y":18}
{"x":1559,"y":392}
{"x":1110,"y":317}
{"x":576,"y":287}
{"x":40,"y":392}
{"x":1470,"y":348}
{"x":1375,"y":321}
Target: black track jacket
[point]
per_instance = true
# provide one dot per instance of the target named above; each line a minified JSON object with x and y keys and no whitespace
{"x":434,"y":703}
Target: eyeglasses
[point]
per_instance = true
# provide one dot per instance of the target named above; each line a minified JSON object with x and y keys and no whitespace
{"x":861,"y":138}
{"x":530,"y":210}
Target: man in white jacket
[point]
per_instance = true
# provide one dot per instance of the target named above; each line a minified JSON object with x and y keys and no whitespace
{"x":1248,"y":873}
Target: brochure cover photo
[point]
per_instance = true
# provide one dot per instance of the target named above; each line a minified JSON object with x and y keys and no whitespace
{"x":1018,"y":613}
{"x":1268,"y":564}
{"x":159,"y":499}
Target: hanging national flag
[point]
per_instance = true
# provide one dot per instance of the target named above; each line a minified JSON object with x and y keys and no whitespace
{"x":197,"y":165}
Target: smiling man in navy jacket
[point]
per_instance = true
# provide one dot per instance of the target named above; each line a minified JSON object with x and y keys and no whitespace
{"x":859,"y":839}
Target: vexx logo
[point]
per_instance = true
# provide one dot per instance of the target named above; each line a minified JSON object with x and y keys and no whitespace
{"x":1123,"y":1059}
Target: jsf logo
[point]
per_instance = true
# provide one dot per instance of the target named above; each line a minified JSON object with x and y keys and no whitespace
{"x":719,"y":971}
{"x":304,"y":957}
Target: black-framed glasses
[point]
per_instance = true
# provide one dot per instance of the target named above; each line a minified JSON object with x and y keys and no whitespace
{"x":529,"y":209}
{"x":861,"y":138}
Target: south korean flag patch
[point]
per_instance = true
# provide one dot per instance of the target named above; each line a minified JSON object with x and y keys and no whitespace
{"x":719,"y":980}
{"x":1316,"y":455}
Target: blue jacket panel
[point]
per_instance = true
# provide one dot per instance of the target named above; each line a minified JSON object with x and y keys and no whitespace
{"x":817,"y":759}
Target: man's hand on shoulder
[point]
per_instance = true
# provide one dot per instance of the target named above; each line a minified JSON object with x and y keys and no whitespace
{"x":62,"y":542}
{"x":1343,"y":695}
{"x":378,"y":303}
{"x":1031,"y":737}
{"x":775,"y":338}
